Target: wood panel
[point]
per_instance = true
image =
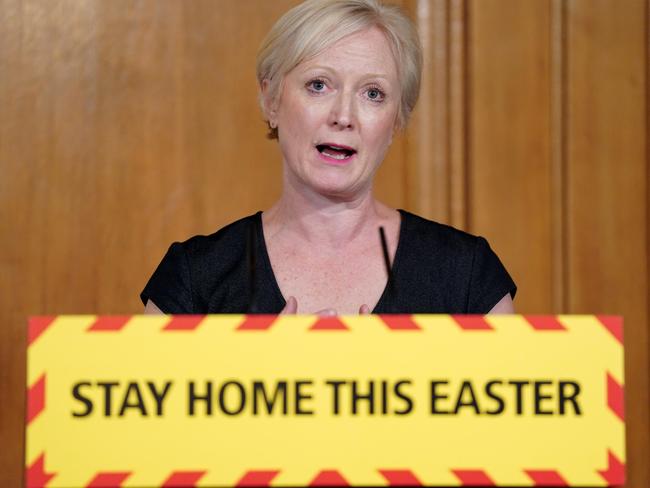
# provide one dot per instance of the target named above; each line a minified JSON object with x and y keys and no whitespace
{"x":559,"y":162}
{"x":436,"y":140}
{"x":427,"y":138}
{"x":509,"y":140}
{"x":558,"y":165}
{"x":607,"y":189}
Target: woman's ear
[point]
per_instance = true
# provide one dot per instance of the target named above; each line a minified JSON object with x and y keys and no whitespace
{"x":269,"y":103}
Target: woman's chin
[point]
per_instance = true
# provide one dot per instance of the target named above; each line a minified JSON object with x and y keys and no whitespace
{"x":341,"y":185}
{"x":343,"y":190}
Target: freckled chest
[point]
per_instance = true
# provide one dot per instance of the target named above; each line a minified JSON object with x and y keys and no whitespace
{"x":321,"y":278}
{"x":342,"y":282}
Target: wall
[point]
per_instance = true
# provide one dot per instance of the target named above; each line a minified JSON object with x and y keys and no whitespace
{"x":127,"y":125}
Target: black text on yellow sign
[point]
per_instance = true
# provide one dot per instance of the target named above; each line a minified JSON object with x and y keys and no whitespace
{"x":231,"y":397}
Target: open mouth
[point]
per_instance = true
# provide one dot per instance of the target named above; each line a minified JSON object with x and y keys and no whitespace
{"x":340,"y":153}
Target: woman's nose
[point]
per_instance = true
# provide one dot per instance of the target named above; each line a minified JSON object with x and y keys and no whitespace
{"x":342,"y":112}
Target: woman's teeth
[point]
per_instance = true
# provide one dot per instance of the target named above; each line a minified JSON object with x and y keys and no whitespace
{"x":335,"y":155}
{"x":335,"y":152}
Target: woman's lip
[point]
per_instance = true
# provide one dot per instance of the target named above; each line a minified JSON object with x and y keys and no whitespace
{"x":340,"y":146}
{"x":330,"y":160}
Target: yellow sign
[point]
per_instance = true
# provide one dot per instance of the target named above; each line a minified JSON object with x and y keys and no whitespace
{"x":228,"y":400}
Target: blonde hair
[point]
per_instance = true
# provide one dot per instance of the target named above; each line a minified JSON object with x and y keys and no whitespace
{"x":311,"y":27}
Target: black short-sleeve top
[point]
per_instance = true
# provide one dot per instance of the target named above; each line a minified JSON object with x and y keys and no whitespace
{"x":436,"y":269}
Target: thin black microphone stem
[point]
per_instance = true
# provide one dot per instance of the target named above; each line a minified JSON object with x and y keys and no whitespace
{"x":384,"y":247}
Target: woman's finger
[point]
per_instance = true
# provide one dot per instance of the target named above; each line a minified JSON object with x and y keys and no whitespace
{"x":291,"y":307}
{"x":326,"y":312}
{"x":364,"y":310}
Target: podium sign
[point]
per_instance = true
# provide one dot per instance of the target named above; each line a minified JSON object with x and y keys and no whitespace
{"x":228,"y":400}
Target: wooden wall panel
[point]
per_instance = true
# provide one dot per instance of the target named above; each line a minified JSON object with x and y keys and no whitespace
{"x":558,"y":170}
{"x":509,"y":140}
{"x":436,"y":139}
{"x":427,"y":137}
{"x":607,"y":189}
{"x":126,"y":125}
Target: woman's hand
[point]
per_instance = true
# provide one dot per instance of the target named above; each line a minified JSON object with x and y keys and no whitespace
{"x":291,"y":308}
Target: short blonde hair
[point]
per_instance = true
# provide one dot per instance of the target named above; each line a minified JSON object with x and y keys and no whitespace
{"x":314,"y":25}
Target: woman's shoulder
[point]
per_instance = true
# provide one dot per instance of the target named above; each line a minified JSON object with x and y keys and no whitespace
{"x":420,"y":231}
{"x":215,"y":257}
{"x":435,"y":246}
{"x":467,"y":273}
{"x":232,"y":237}
{"x":205,"y":271}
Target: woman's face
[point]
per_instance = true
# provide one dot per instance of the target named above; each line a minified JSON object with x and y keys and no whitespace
{"x":336,"y":115}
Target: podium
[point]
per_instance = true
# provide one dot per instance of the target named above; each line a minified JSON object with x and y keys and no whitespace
{"x":388,"y":400}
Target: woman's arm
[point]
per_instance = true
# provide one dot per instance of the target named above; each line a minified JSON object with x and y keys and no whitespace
{"x":505,"y":305}
{"x":152,"y":309}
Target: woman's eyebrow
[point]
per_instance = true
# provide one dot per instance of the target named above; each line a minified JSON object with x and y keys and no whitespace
{"x":383,"y":76}
{"x":318,"y":67}
{"x":377,"y":75}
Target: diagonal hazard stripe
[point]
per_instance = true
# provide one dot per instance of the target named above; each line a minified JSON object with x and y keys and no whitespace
{"x":36,"y":399}
{"x":257,"y":478}
{"x":257,"y":322}
{"x":399,"y":322}
{"x":616,"y":397}
{"x":329,"y":323}
{"x":184,"y":322}
{"x":472,"y":322}
{"x":109,"y":323}
{"x":614,"y":324}
{"x":473,"y":477}
{"x":544,"y":322}
{"x":614,"y":475}
{"x":38,"y":325}
{"x":400,"y":477}
{"x":108,"y":480}
{"x":329,"y":478}
{"x":36,"y":476}
{"x":546,"y":478}
{"x":183,"y":479}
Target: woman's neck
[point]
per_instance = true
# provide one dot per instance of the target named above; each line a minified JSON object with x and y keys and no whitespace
{"x":329,"y":221}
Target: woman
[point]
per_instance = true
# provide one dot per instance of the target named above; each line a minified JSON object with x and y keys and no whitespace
{"x":337,"y":78}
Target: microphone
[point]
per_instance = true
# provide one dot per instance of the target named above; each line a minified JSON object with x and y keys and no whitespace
{"x":390,"y":286}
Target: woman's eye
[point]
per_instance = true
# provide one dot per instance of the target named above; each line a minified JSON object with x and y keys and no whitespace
{"x":375,"y":94}
{"x":316,"y":85}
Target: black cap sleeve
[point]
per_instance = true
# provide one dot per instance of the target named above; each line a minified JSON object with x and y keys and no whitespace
{"x":489,"y":280}
{"x":169,"y":287}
